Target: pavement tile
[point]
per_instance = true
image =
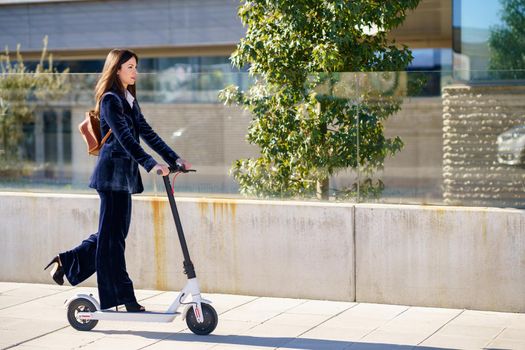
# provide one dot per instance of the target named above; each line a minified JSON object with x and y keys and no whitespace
{"x":10,"y":300}
{"x":378,"y":346}
{"x":506,"y":344}
{"x":261,"y":309}
{"x":318,"y":344}
{"x":485,"y":318}
{"x":342,"y":334}
{"x":108,"y":342}
{"x":363,"y":323}
{"x":186,"y":340}
{"x":412,"y":326}
{"x":50,"y":308}
{"x":391,"y":337}
{"x":321,"y":307}
{"x":476,"y":331}
{"x":64,"y":339}
{"x":272,"y":335}
{"x":455,"y":342}
{"x":273,"y":331}
{"x":418,"y":314}
{"x":378,"y":311}
{"x":14,"y":297}
{"x":229,"y":327}
{"x":172,"y":344}
{"x":10,"y":324}
{"x":6,"y":286}
{"x":510,"y":338}
{"x":301,"y":320}
{"x":24,"y":329}
{"x":250,"y":322}
{"x":518,"y":322}
{"x":31,"y":291}
{"x":513,"y":333}
{"x":369,"y":315}
{"x":239,"y":347}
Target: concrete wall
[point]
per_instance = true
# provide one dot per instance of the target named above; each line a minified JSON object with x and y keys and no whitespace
{"x":244,"y":247}
{"x":414,"y":255}
{"x":471,"y":258}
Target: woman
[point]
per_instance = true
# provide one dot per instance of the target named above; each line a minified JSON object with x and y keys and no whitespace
{"x":116,"y":177}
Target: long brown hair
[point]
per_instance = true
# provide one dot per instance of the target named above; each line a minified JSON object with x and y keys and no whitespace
{"x":109,"y":80}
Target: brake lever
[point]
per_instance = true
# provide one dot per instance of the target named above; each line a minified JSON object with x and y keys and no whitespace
{"x":177,"y":169}
{"x":159,"y":172}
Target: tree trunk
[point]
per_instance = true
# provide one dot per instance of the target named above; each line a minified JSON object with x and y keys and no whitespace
{"x":4,"y":137}
{"x":322,"y":189}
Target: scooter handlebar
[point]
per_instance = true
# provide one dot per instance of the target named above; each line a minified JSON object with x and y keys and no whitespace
{"x":177,"y":168}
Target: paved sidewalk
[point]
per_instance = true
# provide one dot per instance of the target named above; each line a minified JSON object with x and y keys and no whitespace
{"x":32,"y":316}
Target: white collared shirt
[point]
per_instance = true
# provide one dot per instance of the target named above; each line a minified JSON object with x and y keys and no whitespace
{"x":130,"y":98}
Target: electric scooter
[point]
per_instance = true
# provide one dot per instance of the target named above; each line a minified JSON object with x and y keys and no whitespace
{"x":83,"y":310}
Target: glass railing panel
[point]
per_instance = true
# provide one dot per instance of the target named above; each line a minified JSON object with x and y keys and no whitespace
{"x":409,"y":137}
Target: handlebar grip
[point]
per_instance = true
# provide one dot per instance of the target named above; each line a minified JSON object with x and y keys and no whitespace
{"x":177,"y":168}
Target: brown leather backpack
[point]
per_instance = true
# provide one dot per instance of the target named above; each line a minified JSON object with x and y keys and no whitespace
{"x":90,"y":130}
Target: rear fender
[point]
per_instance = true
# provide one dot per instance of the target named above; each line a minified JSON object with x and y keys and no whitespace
{"x":83,"y":296}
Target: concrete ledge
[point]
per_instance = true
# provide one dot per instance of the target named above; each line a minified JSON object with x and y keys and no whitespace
{"x":288,"y":249}
{"x":450,"y":257}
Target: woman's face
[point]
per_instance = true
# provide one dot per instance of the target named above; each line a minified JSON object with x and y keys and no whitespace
{"x":128,"y":72}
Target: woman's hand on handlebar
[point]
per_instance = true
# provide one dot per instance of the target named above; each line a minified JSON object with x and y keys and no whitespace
{"x":161,"y":169}
{"x":164,"y":170}
{"x":184,"y":164}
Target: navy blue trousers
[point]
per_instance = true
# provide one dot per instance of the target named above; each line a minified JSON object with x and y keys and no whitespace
{"x":103,"y":252}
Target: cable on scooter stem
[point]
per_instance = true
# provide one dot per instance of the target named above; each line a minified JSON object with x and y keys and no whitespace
{"x":189,"y":270}
{"x":177,"y":169}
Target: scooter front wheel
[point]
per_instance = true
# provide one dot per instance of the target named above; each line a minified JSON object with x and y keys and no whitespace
{"x":210,"y":320}
{"x":81,"y":305}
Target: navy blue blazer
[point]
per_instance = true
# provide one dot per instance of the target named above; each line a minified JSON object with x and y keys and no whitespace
{"x":117,"y":163}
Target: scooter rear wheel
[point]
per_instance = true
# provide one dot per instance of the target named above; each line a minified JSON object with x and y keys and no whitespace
{"x":210,"y":320}
{"x":81,"y":305}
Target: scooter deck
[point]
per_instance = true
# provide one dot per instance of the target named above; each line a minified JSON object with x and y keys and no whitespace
{"x":146,"y":316}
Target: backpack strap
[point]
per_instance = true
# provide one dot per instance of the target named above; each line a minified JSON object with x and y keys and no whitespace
{"x":110,"y":131}
{"x":106,"y":137}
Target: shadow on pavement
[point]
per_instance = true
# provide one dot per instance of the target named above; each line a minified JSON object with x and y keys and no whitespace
{"x":270,"y":342}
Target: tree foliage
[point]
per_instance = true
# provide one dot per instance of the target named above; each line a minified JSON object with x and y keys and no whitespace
{"x":507,"y":41}
{"x":307,"y":117}
{"x":20,"y":89}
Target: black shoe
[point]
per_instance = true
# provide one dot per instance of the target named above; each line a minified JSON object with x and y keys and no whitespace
{"x":134,"y":307}
{"x":57,"y":272}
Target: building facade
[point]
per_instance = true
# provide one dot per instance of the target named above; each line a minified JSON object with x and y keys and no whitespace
{"x":184,"y":48}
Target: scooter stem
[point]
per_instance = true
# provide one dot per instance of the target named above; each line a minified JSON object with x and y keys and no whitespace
{"x":189,"y":270}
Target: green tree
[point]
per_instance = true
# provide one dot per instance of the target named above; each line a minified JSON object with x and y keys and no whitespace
{"x":20,"y":90}
{"x":507,"y":41}
{"x":306,"y":116}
